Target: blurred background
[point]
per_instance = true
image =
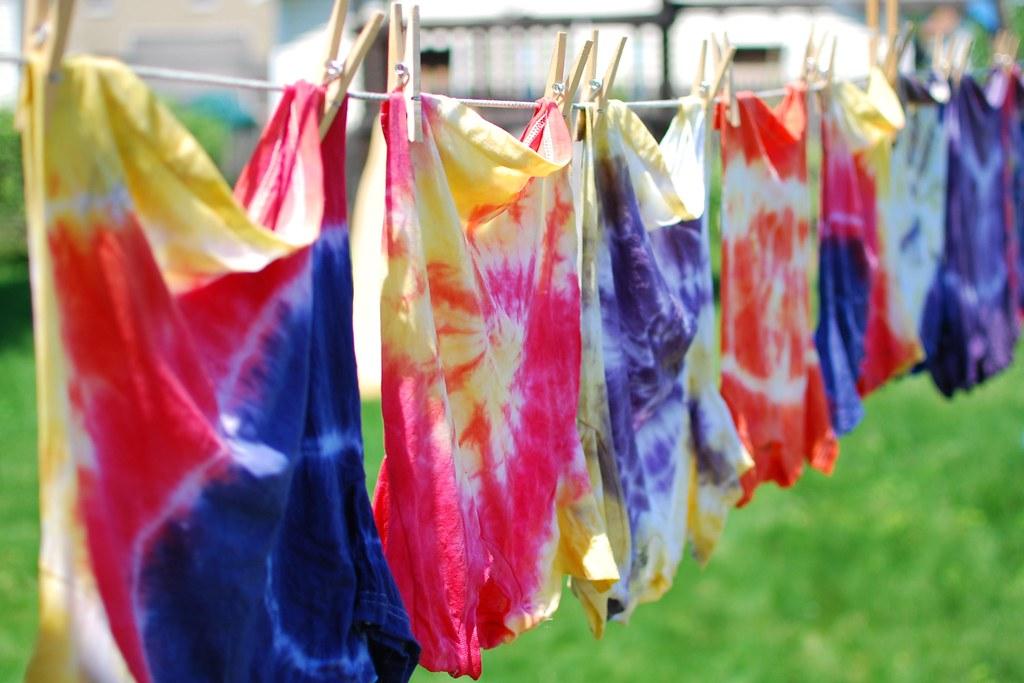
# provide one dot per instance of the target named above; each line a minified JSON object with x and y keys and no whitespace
{"x":906,"y":564}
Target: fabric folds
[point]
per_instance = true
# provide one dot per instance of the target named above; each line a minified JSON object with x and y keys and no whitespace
{"x":646,"y":286}
{"x":203,"y":506}
{"x":1004,"y":85}
{"x":914,"y":208}
{"x":970,"y":317}
{"x":717,"y":456}
{"x":866,"y":333}
{"x":484,"y":499}
{"x":771,"y":376}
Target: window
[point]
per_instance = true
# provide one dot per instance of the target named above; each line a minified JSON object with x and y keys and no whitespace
{"x":757,"y":66}
{"x":757,"y":55}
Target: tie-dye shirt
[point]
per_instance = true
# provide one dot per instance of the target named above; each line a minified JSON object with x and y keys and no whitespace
{"x":484,"y":500}
{"x":771,"y":376}
{"x":970,"y":316}
{"x":649,"y":270}
{"x":203,"y":505}
{"x":865,"y":333}
{"x":594,"y":420}
{"x":914,"y":208}
{"x":716,"y":455}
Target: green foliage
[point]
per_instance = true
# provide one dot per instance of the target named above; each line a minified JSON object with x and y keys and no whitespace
{"x":212,"y":134}
{"x":12,"y":202}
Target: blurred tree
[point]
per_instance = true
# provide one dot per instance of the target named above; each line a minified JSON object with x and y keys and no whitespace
{"x":212,"y":134}
{"x":12,"y":202}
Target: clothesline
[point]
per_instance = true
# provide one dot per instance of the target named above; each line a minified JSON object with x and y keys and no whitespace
{"x":159,"y":73}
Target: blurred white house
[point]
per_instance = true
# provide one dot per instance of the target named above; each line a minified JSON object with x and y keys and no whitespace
{"x":10,"y":42}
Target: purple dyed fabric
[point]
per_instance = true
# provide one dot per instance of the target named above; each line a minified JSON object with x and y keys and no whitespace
{"x":970,"y":314}
{"x":1005,"y":86}
{"x":646,"y":330}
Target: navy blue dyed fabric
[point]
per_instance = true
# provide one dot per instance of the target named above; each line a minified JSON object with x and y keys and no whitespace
{"x":280,"y":575}
{"x":844,"y":277}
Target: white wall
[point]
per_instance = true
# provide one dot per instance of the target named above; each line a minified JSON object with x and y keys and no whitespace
{"x":10,"y":42}
{"x":787,"y":29}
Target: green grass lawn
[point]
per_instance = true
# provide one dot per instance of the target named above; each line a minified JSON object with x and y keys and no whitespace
{"x":906,"y":564}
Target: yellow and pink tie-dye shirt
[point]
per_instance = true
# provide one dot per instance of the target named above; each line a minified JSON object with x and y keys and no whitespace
{"x":484,"y":500}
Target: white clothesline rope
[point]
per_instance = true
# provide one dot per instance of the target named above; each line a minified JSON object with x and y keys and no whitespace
{"x":195,"y":77}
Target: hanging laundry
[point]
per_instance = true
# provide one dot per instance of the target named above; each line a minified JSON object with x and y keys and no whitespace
{"x":593,"y":418}
{"x":484,"y":499}
{"x":646,"y":250}
{"x":771,"y":376}
{"x":203,"y":505}
{"x":1004,"y":85}
{"x":717,"y":456}
{"x":645,"y":333}
{"x":914,"y":208}
{"x":865,"y":333}
{"x":970,"y":317}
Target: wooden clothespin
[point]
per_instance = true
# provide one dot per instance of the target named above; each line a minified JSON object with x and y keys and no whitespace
{"x":826,"y":82}
{"x":609,"y":76}
{"x":998,"y":44}
{"x":396,"y":45}
{"x":697,"y":85}
{"x":598,"y":90}
{"x":412,"y":88}
{"x":806,"y":67}
{"x":950,"y":56}
{"x":335,"y":27}
{"x":1004,"y":51}
{"x":723,"y":66}
{"x":592,"y":84}
{"x":561,"y":86}
{"x":572,"y":84}
{"x":404,"y":65}
{"x":871,"y":12}
{"x":892,"y":28}
{"x":894,"y":53}
{"x":339,"y":86}
{"x":34,"y":27}
{"x":59,"y":22}
{"x":962,"y":57}
{"x":555,"y":84}
{"x":939,"y":66}
{"x":54,"y":45}
{"x":830,"y":70}
{"x":717,"y":49}
{"x":813,"y":64}
{"x":724,"y":50}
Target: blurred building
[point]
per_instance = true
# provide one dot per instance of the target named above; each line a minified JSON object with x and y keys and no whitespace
{"x":229,"y":37}
{"x":10,"y":41}
{"x":225,"y":37}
